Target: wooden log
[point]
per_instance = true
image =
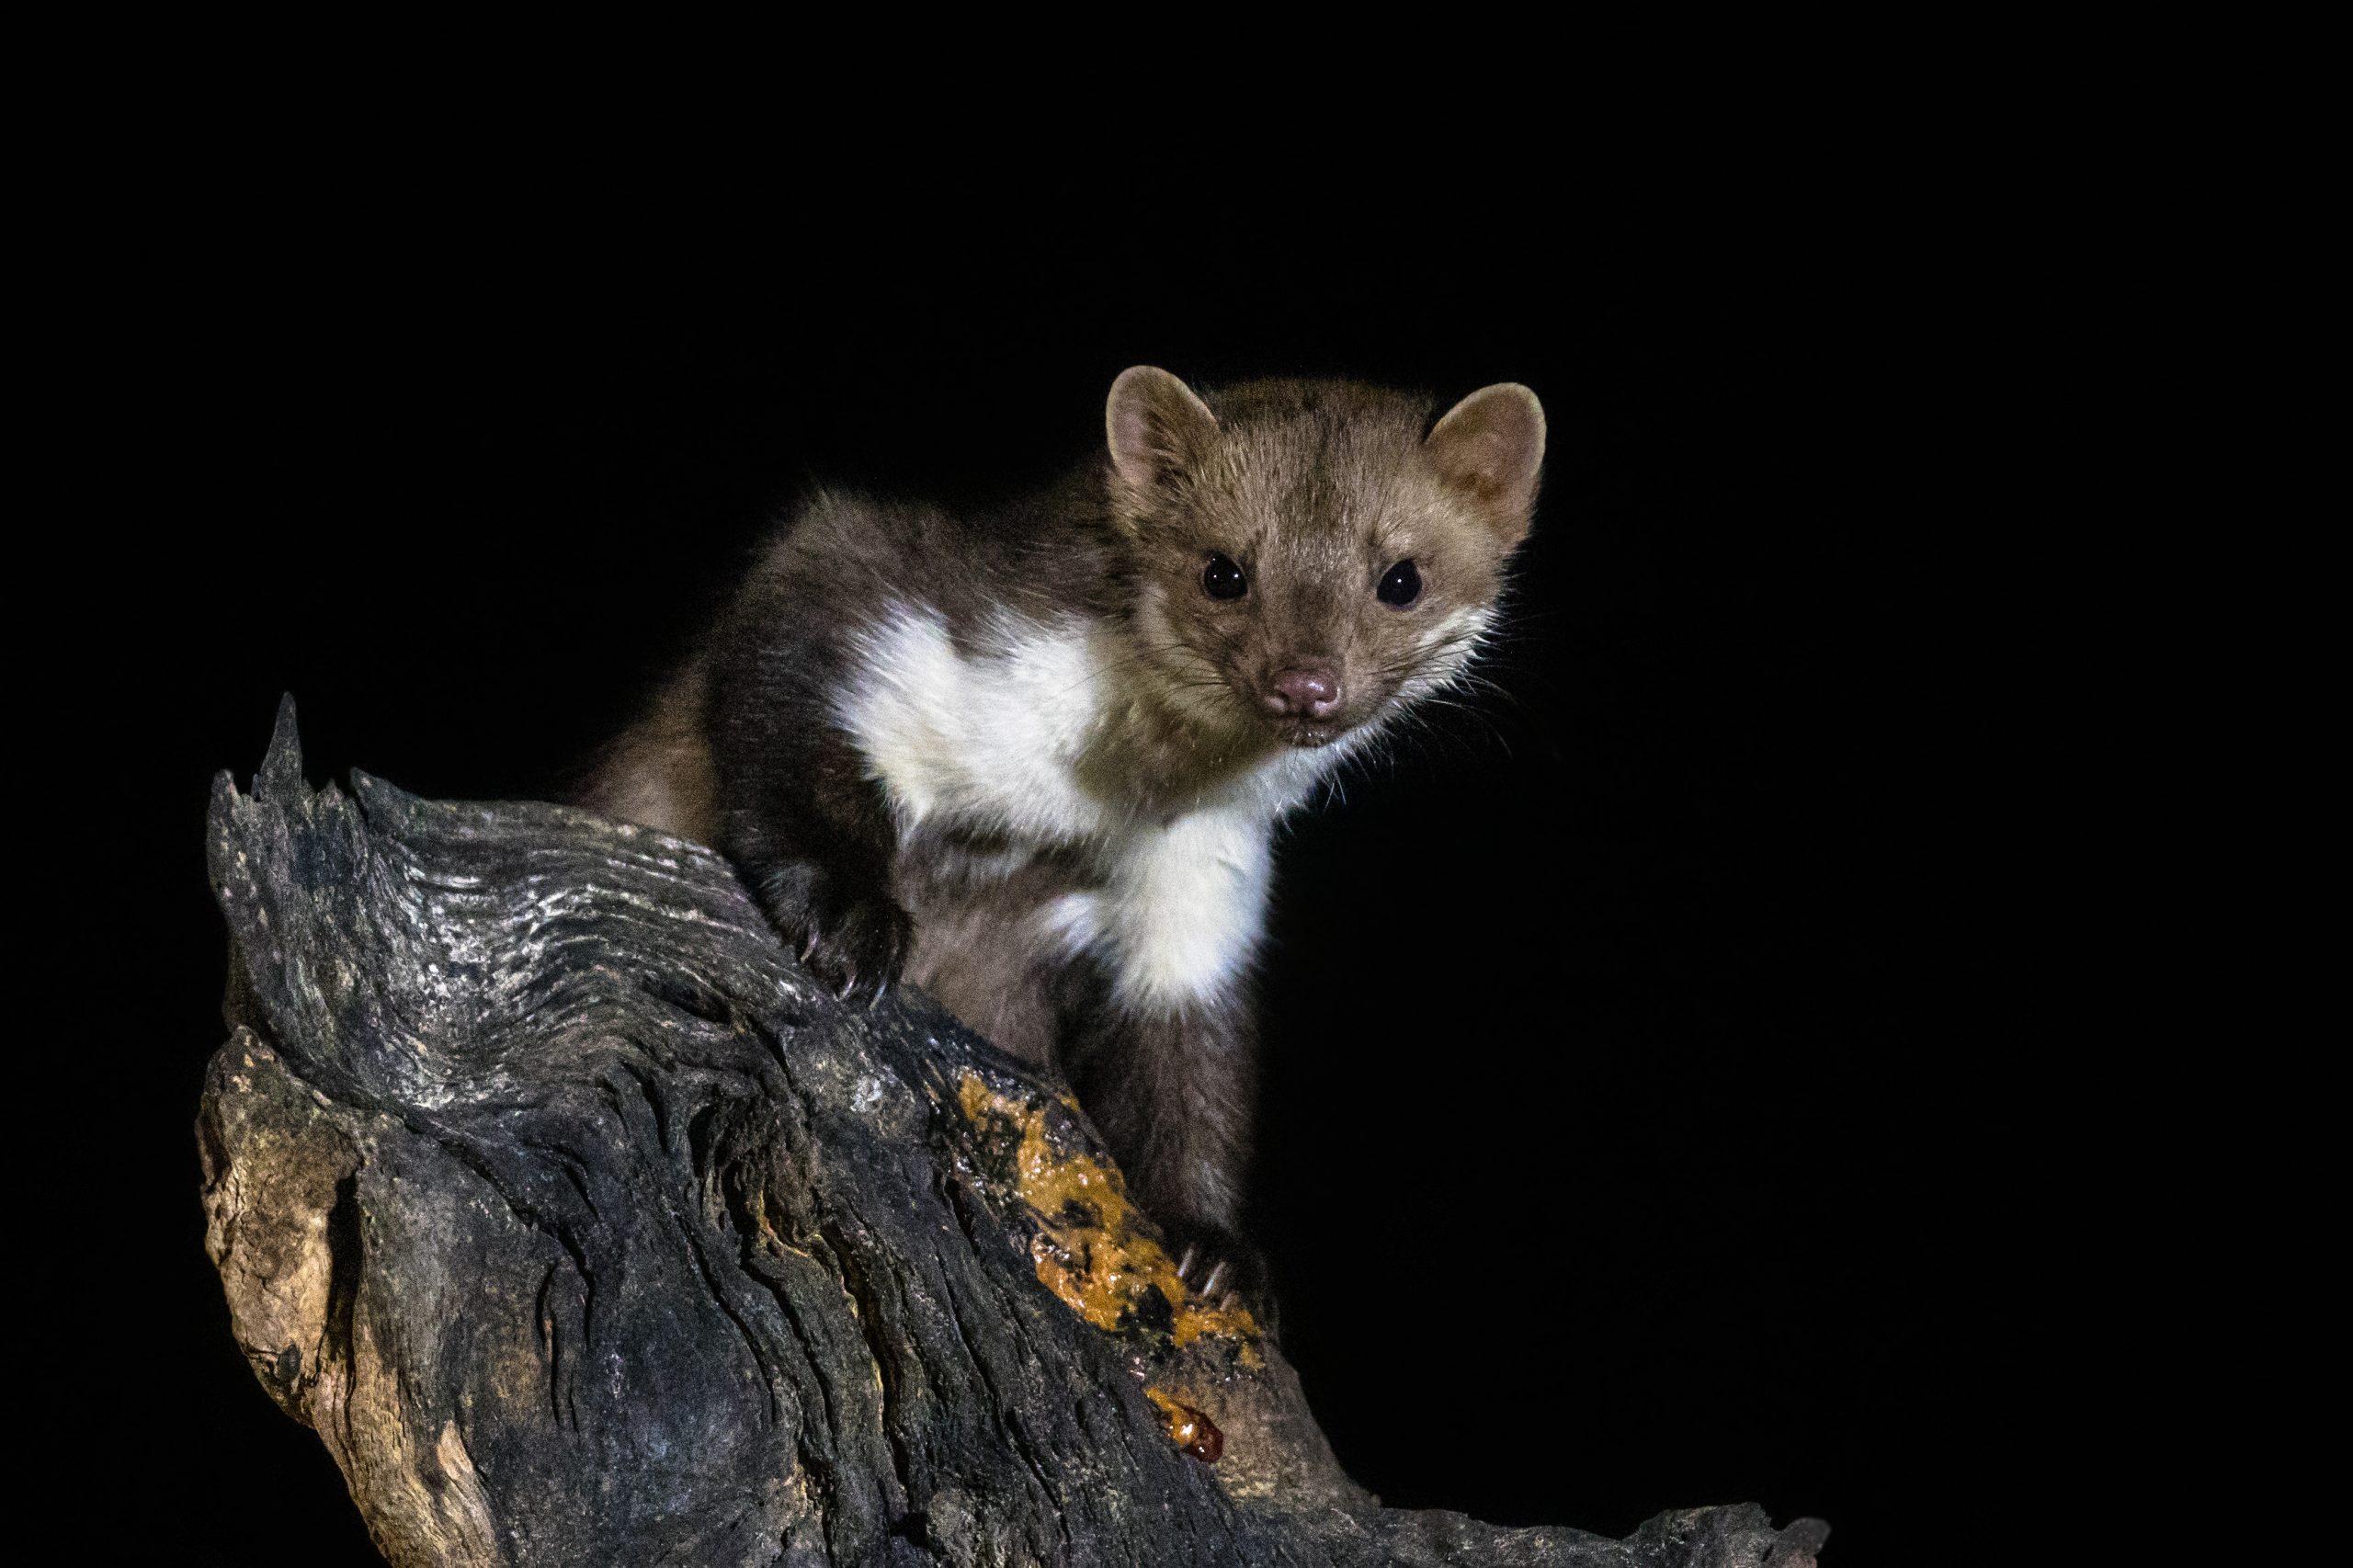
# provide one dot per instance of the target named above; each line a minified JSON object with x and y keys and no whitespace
{"x":583,"y":1227}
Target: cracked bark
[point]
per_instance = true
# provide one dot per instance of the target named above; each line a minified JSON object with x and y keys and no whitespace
{"x":584,"y":1228}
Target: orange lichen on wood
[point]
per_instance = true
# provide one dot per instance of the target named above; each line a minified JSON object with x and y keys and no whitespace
{"x":1091,"y":1248}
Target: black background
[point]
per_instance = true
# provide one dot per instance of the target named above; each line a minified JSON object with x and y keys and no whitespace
{"x":1654,"y":1021}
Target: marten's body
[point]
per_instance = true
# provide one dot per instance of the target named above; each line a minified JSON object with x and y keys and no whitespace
{"x":1032,"y":761}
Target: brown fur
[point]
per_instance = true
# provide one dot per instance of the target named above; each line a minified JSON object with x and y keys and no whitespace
{"x":658,"y":772}
{"x":965,"y":899}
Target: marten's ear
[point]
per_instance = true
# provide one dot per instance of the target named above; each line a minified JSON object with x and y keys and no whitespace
{"x":1154,"y":421}
{"x":1490,"y":447}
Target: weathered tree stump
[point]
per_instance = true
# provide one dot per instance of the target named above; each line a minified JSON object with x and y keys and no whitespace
{"x":584,"y":1228}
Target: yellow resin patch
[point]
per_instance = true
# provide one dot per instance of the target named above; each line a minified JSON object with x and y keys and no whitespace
{"x":1091,"y":1248}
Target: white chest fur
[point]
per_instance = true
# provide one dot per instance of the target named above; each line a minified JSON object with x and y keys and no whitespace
{"x":993,"y":737}
{"x":1181,"y":912}
{"x":989,"y":738}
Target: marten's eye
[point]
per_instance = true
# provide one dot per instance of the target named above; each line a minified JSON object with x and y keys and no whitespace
{"x":1224,"y":580}
{"x":1402,"y":587}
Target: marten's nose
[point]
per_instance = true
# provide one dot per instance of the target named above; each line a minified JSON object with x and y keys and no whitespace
{"x":1310,"y":691}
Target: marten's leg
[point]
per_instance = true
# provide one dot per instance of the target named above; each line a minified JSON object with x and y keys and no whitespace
{"x":807,"y":827}
{"x":1173,"y":1091}
{"x":986,"y":947}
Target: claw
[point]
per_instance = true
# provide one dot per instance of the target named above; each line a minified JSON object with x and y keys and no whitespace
{"x":1209,"y":1286}
{"x":1185,"y":1265}
{"x":848,"y":988}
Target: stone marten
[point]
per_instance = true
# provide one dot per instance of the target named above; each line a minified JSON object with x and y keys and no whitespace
{"x":1032,"y":759}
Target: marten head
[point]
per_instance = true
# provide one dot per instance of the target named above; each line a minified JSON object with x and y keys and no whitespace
{"x":1311,"y":555}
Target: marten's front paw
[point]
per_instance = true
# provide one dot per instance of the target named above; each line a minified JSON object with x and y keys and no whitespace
{"x":1222,"y":1267}
{"x":854,"y":946}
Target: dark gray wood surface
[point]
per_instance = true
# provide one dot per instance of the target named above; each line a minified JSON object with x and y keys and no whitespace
{"x":583,"y":1227}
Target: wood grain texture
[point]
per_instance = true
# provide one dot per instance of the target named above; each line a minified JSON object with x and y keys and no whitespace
{"x":583,"y":1227}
